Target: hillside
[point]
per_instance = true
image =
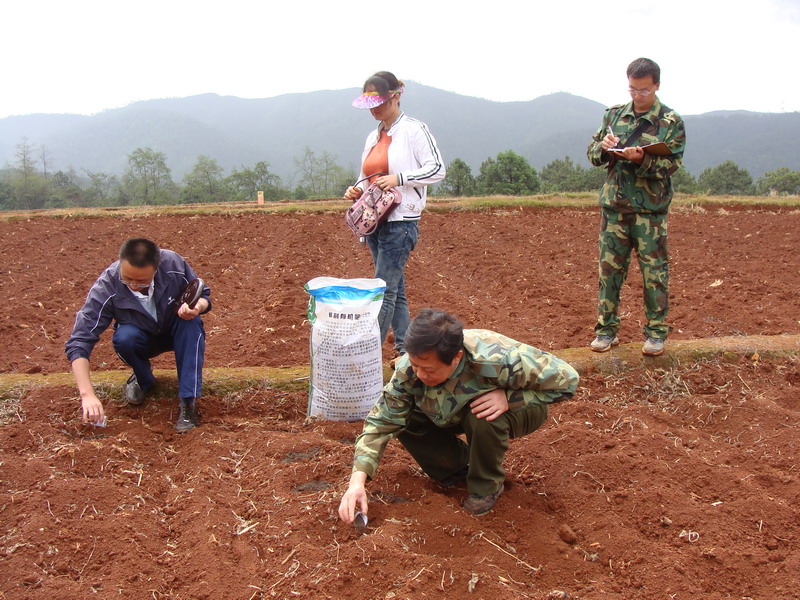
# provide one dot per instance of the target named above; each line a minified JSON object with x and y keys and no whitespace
{"x":237,"y":131}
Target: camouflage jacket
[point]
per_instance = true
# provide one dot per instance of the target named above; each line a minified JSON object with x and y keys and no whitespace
{"x":490,"y":361}
{"x":645,"y":188}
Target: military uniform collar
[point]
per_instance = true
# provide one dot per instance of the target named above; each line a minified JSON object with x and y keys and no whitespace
{"x":651,"y":115}
{"x":452,"y":381}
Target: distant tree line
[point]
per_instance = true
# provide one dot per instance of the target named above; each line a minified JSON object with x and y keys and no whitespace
{"x":30,"y":182}
{"x":511,"y":174}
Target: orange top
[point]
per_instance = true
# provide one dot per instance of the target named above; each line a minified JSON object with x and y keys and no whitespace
{"x":377,"y":160}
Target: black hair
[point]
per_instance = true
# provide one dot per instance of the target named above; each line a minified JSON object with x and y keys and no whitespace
{"x":384,"y":83}
{"x":434,"y":329}
{"x":642,"y":67}
{"x":140,"y":252}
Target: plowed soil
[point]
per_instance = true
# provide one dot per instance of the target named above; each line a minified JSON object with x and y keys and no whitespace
{"x":658,"y":483}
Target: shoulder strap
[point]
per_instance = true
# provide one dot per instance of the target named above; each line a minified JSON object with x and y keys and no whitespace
{"x":368,"y":177}
{"x":637,"y":133}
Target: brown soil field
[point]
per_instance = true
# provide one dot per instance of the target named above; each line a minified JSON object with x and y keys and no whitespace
{"x":676,"y":479}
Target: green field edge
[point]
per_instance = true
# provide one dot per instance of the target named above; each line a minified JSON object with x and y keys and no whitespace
{"x":435,"y":204}
{"x":219,"y":381}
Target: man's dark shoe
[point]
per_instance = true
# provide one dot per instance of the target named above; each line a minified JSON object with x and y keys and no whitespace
{"x":133,"y":393}
{"x":453,"y":480}
{"x":479,"y":505}
{"x":187,"y":419}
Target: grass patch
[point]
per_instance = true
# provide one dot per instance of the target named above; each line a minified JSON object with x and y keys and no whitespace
{"x":217,"y":381}
{"x":435,"y":204}
{"x":658,"y":388}
{"x":743,"y":201}
{"x":483,"y":203}
{"x":10,"y":397}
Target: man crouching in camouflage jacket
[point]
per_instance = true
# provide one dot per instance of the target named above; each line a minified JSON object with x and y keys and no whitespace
{"x":453,"y":381}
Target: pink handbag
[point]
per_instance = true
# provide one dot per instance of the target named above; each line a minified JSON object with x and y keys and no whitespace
{"x":372,"y":208}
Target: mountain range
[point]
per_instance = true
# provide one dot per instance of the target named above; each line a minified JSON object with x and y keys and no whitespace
{"x":239,"y":132}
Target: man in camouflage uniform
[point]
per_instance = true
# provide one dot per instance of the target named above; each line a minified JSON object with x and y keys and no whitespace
{"x":453,"y":381}
{"x":635,"y":200}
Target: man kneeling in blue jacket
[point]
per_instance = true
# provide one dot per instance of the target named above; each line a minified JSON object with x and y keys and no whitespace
{"x":140,"y":293}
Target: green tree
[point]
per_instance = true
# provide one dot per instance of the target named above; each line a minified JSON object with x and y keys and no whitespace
{"x":563,"y":176}
{"x":334,"y":179}
{"x":25,"y":163}
{"x":459,"y":180}
{"x":344,"y":179}
{"x":65,"y":190}
{"x":102,"y":189}
{"x":594,"y":178}
{"x":148,"y":179}
{"x":726,"y":178}
{"x":566,"y":176}
{"x":684,"y":182}
{"x":508,"y":174}
{"x":245,"y":184}
{"x":204,"y":183}
{"x":782,"y":181}
{"x":31,"y":188}
{"x":321,"y":176}
{"x":46,"y":160}
{"x":307,"y":167}
{"x":31,"y":192}
{"x":300,"y":193}
{"x":7,"y":200}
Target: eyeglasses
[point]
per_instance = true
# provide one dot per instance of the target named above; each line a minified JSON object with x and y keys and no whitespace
{"x":135,"y":284}
{"x":644,"y":93}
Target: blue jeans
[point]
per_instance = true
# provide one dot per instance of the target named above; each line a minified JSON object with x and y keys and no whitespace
{"x":391,"y":246}
{"x":188,"y":339}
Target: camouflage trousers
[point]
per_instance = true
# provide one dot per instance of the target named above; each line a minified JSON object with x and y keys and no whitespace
{"x":441,"y":453}
{"x":620,"y":233}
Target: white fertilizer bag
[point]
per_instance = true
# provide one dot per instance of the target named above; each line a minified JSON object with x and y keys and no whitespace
{"x":346,"y":360}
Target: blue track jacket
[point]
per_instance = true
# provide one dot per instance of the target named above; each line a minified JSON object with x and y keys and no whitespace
{"x":110,"y":299}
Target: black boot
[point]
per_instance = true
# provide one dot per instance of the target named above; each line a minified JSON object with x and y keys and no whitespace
{"x":187,"y":418}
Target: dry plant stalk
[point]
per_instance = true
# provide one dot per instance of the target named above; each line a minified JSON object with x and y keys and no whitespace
{"x":519,"y":560}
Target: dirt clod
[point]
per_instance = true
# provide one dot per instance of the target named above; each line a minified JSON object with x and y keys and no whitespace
{"x":567,"y":535}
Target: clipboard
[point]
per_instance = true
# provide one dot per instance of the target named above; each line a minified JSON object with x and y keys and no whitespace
{"x":657,"y":149}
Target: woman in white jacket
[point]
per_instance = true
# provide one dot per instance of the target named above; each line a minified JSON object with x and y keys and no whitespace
{"x":403,"y":149}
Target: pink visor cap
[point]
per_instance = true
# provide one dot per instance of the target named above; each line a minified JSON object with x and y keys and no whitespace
{"x":373,"y":99}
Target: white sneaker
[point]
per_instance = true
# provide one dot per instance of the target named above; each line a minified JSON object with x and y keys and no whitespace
{"x":603,"y":343}
{"x":653,"y":347}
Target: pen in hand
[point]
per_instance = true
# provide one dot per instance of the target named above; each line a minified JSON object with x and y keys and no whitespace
{"x":614,"y":141}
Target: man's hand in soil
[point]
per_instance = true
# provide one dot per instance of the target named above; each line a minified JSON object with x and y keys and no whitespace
{"x":92,"y":409}
{"x":491,"y":405}
{"x":356,"y":495}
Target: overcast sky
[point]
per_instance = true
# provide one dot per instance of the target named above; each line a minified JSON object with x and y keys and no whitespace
{"x":85,"y":56}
